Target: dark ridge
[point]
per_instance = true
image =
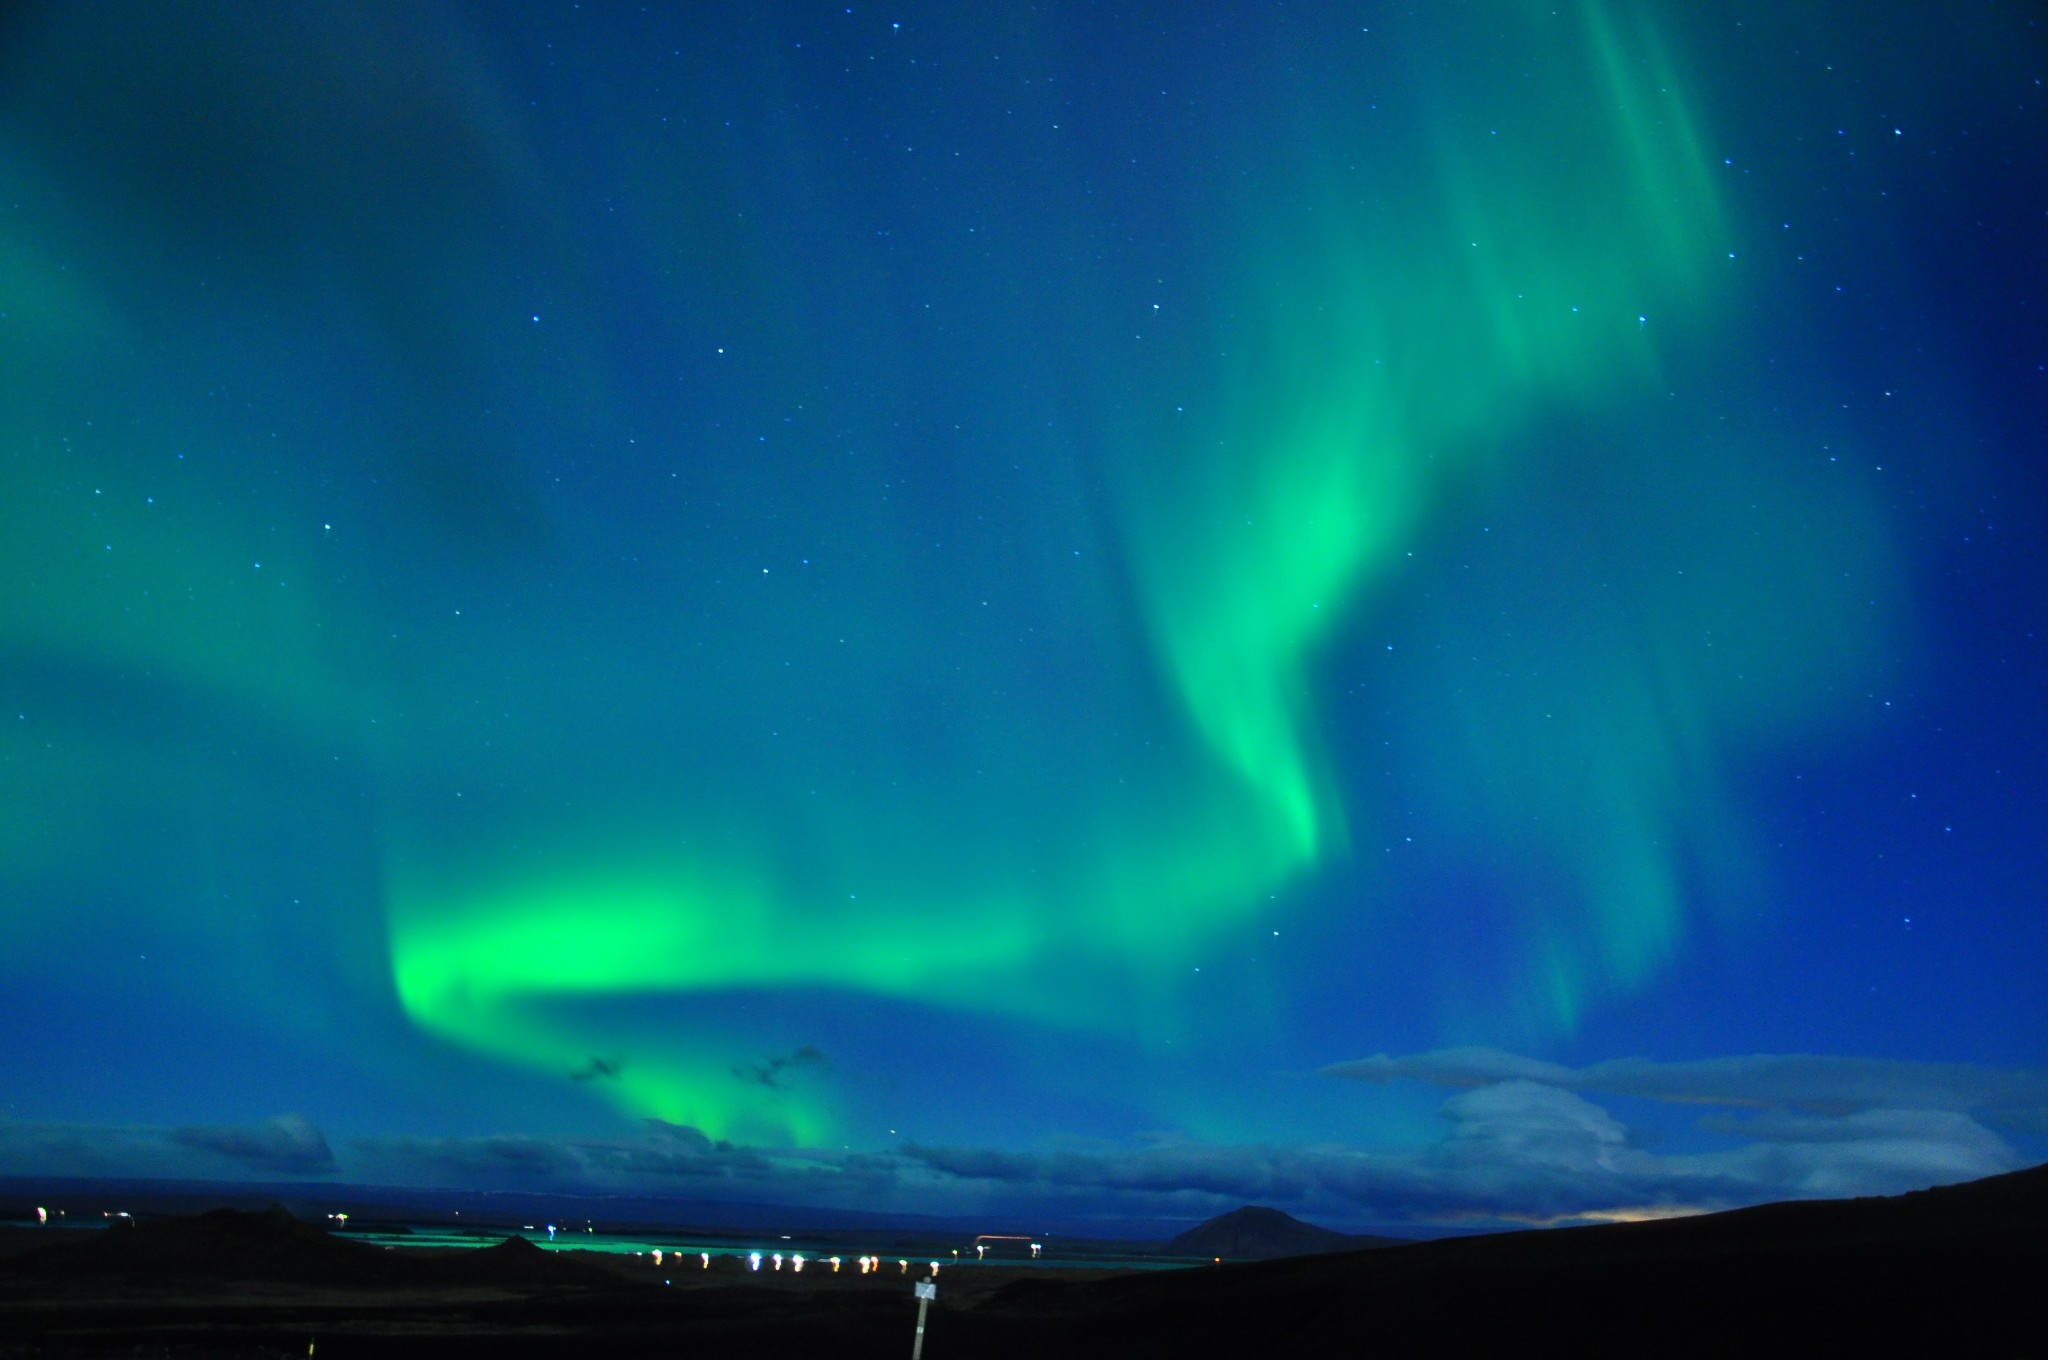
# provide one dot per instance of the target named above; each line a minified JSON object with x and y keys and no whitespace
{"x":1952,"y":1270}
{"x":271,"y":1244}
{"x":266,"y":1244}
{"x":1254,"y":1233}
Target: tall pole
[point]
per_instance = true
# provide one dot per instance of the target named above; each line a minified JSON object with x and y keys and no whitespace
{"x":924,"y":1301}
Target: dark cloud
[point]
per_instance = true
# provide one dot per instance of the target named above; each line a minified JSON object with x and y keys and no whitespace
{"x":597,"y":1068}
{"x":665,"y":1157}
{"x":989,"y":1164}
{"x":777,"y":1071}
{"x":48,"y":1148}
{"x":467,"y":1161}
{"x":287,"y":1143}
{"x":1808,"y":1082}
{"x":660,"y":1130}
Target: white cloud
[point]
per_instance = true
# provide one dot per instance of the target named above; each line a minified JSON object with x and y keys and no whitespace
{"x":1799,"y":1081}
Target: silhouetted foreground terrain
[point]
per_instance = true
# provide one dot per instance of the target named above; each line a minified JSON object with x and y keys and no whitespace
{"x":1954,"y":1271}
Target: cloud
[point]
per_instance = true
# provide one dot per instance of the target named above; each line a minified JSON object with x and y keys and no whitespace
{"x":1809,"y":1082}
{"x":461,"y":1162}
{"x":597,"y":1068}
{"x":1522,"y":1143}
{"x":664,"y":1158}
{"x":1518,"y":1141}
{"x":1869,"y":1150}
{"x":1529,"y":1124}
{"x":48,"y":1148}
{"x":776,"y":1072}
{"x":284,"y":1143}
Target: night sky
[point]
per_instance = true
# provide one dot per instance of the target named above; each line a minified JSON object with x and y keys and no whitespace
{"x":1430,"y":614}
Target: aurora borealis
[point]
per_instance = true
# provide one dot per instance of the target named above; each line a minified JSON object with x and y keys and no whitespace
{"x":984,"y":585}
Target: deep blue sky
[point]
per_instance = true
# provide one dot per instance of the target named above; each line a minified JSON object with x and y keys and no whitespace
{"x":1430,"y":617}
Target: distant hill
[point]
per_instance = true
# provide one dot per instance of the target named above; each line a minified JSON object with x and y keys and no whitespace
{"x":1258,"y":1234}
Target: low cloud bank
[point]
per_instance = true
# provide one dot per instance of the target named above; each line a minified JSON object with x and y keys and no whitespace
{"x":285,"y":1143}
{"x":1519,"y":1151}
{"x":1813,"y":1083}
{"x":1521,"y":1141}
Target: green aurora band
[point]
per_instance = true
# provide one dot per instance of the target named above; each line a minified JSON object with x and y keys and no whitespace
{"x":1415,"y":326}
{"x":1388,"y":368}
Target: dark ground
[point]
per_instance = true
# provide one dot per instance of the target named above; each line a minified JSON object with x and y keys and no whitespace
{"x":1957,"y":1271}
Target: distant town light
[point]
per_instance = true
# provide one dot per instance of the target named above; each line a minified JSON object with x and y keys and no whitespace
{"x":753,"y":1260}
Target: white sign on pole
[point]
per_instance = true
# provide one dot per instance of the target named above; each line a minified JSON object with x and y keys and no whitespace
{"x":926,"y":1292}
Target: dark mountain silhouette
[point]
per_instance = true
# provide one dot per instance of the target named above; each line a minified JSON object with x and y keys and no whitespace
{"x":1259,"y":1234}
{"x":1952,"y":1270}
